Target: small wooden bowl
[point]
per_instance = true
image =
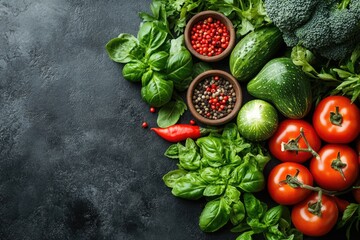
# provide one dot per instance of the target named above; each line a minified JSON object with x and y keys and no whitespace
{"x":204,"y":15}
{"x":237,"y":105}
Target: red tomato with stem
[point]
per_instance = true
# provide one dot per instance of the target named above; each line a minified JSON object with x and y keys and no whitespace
{"x":337,"y":169}
{"x":311,"y":224}
{"x":283,"y":193}
{"x":337,"y":120}
{"x":288,"y":133}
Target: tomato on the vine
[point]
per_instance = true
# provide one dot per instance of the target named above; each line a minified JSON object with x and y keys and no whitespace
{"x":283,"y":193}
{"x":337,"y":168}
{"x":288,"y":133}
{"x":311,"y":224}
{"x":337,"y":120}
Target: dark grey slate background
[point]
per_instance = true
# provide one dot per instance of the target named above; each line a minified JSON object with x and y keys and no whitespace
{"x":74,"y":160}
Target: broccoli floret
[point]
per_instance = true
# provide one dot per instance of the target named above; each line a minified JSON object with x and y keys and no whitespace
{"x":344,"y":25}
{"x":316,"y":32}
{"x":290,"y":39}
{"x":338,"y":51}
{"x":287,"y":15}
{"x":354,"y":7}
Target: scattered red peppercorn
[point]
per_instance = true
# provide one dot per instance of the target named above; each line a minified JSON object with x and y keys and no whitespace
{"x":192,"y":122}
{"x":152,"y":110}
{"x":144,"y":125}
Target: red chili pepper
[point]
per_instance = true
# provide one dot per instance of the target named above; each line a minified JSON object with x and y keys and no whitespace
{"x":180,"y":132}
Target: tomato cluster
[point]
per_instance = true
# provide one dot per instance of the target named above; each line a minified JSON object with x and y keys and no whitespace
{"x":333,"y":165}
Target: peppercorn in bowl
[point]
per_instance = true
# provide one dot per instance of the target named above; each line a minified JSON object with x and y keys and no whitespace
{"x":209,"y":36}
{"x":214,"y":97}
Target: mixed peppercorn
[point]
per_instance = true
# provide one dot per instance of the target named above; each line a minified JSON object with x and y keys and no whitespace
{"x":214,"y":98}
{"x":210,"y":37}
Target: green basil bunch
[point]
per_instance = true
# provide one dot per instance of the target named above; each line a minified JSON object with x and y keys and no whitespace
{"x":152,"y":58}
{"x":225,"y":168}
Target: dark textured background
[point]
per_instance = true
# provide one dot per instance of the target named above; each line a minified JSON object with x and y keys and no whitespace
{"x":74,"y":160}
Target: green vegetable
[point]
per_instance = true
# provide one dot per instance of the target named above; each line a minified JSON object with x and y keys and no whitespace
{"x":339,"y":78}
{"x":157,"y":60}
{"x":257,"y":120}
{"x":274,"y":223}
{"x":215,"y":215}
{"x":133,"y":71}
{"x":285,"y":85}
{"x":253,"y":51}
{"x":329,"y":28}
{"x":179,"y":64}
{"x":199,"y":68}
{"x":158,"y":91}
{"x":246,"y":15}
{"x":218,"y":167}
{"x":350,"y":218}
{"x":170,"y":113}
{"x":124,"y":48}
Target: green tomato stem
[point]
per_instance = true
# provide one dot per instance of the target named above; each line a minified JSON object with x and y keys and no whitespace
{"x":335,"y":117}
{"x":293,"y":145}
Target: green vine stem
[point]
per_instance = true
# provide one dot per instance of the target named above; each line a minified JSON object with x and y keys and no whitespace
{"x":293,"y":145}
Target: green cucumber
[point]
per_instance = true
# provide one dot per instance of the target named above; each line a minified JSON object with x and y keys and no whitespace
{"x":284,"y":84}
{"x":253,"y":51}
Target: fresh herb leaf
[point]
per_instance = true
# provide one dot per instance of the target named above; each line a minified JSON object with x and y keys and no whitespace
{"x":170,"y":113}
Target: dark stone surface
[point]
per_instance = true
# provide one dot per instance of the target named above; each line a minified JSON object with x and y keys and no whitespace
{"x":74,"y":160}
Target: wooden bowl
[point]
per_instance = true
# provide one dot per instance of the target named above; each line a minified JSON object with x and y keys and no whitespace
{"x":202,"y":16}
{"x":203,"y":76}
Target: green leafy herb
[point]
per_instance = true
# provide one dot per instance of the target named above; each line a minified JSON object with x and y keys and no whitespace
{"x":350,"y":218}
{"x":171,"y":112}
{"x":339,"y":78}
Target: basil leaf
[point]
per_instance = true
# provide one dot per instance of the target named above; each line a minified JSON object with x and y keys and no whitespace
{"x":170,"y":113}
{"x":214,"y":190}
{"x":212,"y":151}
{"x":241,"y":227}
{"x":133,"y":71}
{"x":199,"y":68}
{"x":172,"y":151}
{"x":124,"y":48}
{"x":215,"y":215}
{"x":158,"y":91}
{"x":151,"y":37}
{"x":273,"y":215}
{"x":171,"y":177}
{"x":189,"y":186}
{"x":232,"y":195}
{"x":253,"y":181}
{"x":245,"y":236}
{"x":254,"y":208}
{"x":348,"y":214}
{"x":158,"y":60}
{"x":210,"y":174}
{"x":189,"y":158}
{"x":237,"y":213}
{"x":256,"y":225}
{"x":179,"y":64}
{"x":237,"y":175}
{"x":146,"y":77}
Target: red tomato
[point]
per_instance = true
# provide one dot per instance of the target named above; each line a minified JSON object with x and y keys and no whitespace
{"x":328,"y":126}
{"x":341,"y":203}
{"x":290,"y":130}
{"x":281,"y":192}
{"x":325,"y":173}
{"x":358,"y":147}
{"x":311,"y":224}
